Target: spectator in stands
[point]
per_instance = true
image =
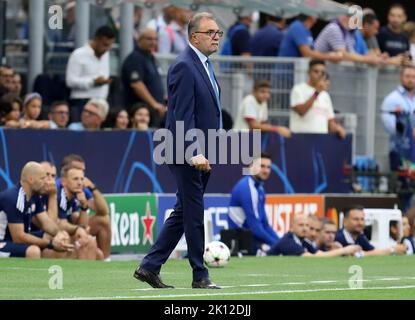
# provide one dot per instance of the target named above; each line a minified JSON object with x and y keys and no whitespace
{"x":328,"y":234}
{"x":247,"y":205}
{"x":409,"y":29}
{"x":392,"y":39}
{"x":408,"y":237}
{"x":140,"y":117}
{"x":398,"y":117}
{"x":365,"y":38}
{"x":6,"y":78}
{"x":160,"y":22}
{"x":240,"y":36}
{"x":117,"y":119}
{"x":173,"y":38}
{"x":338,"y":37}
{"x":352,"y":234}
{"x":10,"y":110}
{"x":88,"y":71}
{"x":73,"y":213}
{"x":18,"y":205}
{"x":16,"y":87}
{"x":311,"y":106}
{"x":315,"y":225}
{"x":59,"y":115}
{"x":141,"y":79}
{"x":267,"y":40}
{"x":294,"y":242}
{"x":298,"y":41}
{"x":68,"y":31}
{"x":32,"y":107}
{"x":99,"y":223}
{"x":93,"y":115}
{"x":253,"y":113}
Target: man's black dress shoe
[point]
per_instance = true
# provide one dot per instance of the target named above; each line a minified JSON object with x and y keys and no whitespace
{"x":204,"y":283}
{"x":151,"y":278}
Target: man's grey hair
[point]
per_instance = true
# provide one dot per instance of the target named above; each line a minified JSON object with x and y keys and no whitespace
{"x":194,"y":23}
{"x":102,"y":106}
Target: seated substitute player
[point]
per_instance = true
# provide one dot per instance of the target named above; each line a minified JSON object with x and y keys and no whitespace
{"x":326,"y":240}
{"x":314,"y":230}
{"x":247,"y":204}
{"x":293,"y":243}
{"x":18,"y":205}
{"x":100,"y":223}
{"x":352,"y":234}
{"x":73,"y":214}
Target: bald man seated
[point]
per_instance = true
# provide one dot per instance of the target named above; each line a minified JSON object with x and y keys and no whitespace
{"x":294,"y":242}
{"x":18,"y":206}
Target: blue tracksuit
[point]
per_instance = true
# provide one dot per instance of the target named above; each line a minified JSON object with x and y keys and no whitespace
{"x":247,"y":210}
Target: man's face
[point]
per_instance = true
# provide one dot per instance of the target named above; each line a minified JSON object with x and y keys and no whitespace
{"x":328,"y":234}
{"x":300,"y":226}
{"x":148,"y":41}
{"x":263,"y":167}
{"x":317,"y":73}
{"x":396,"y":18}
{"x":102,"y":45}
{"x":355,"y":222}
{"x":17,"y":84}
{"x":91,"y":117}
{"x":371,"y":29}
{"x":37,"y":181}
{"x":74,"y":182}
{"x":6,"y":78}
{"x":262,"y":94}
{"x":314,"y":229}
{"x":50,"y":176}
{"x":60,"y":115}
{"x":207,"y":44}
{"x":408,"y":78}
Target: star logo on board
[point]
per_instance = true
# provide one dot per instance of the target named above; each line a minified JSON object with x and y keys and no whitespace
{"x":148,"y":222}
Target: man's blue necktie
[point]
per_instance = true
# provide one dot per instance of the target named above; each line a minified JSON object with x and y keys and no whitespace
{"x":215,"y":88}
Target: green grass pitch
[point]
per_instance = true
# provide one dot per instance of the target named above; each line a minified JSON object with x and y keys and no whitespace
{"x":247,"y":278}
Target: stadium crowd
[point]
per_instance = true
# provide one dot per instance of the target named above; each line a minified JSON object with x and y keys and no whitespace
{"x":83,"y":100}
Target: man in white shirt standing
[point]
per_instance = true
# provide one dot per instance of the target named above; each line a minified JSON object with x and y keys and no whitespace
{"x":253,"y":113}
{"x":311,"y":106}
{"x":88,"y":71}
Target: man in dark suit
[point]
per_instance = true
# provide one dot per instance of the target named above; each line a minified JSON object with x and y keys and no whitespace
{"x":193,"y":105}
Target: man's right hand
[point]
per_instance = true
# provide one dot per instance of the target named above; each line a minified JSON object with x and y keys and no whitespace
{"x":400,"y":248}
{"x":322,"y":85}
{"x":61,"y":242}
{"x":100,"y":81}
{"x":201,"y":163}
{"x":351,"y":250}
{"x":335,"y":56}
{"x":283,"y":131}
{"x":160,"y":108}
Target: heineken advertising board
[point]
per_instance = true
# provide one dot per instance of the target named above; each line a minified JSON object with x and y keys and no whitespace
{"x":133,"y":222}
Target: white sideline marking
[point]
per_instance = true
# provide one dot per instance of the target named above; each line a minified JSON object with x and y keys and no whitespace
{"x":21,"y":268}
{"x":188,"y":295}
{"x":257,"y":285}
{"x":324,"y":281}
{"x":294,"y":283}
